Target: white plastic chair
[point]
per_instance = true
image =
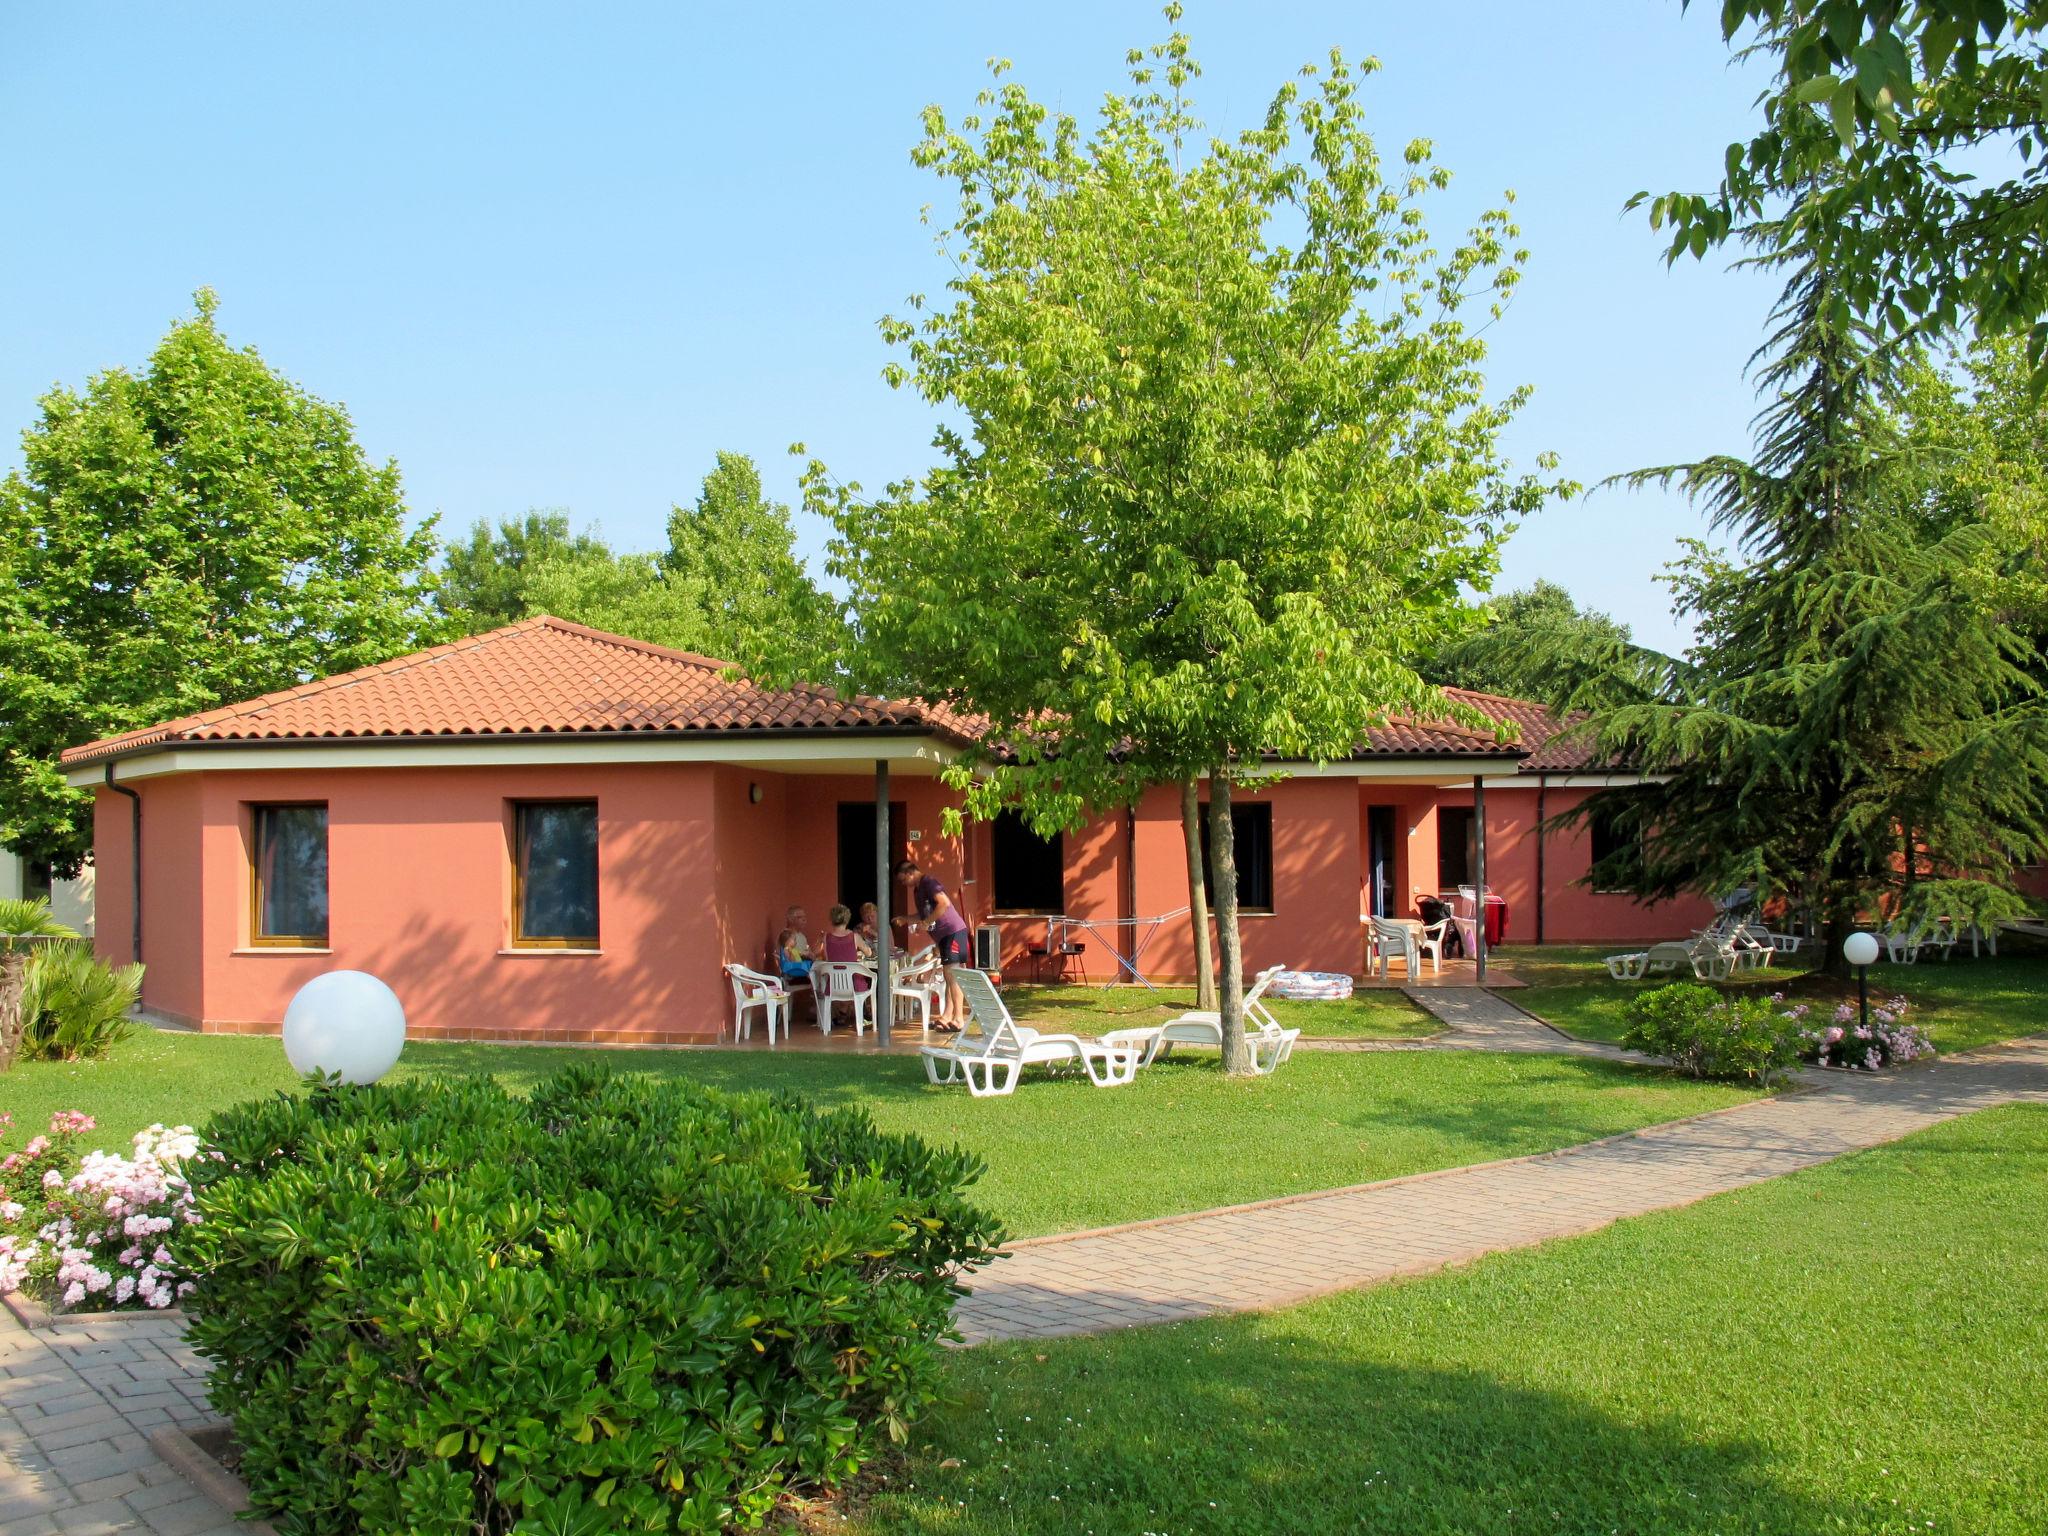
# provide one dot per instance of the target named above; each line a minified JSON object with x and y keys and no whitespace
{"x":1391,"y":939}
{"x":1431,"y":943}
{"x":921,"y":983}
{"x":753,"y":989}
{"x":990,"y":1052}
{"x":836,"y":984}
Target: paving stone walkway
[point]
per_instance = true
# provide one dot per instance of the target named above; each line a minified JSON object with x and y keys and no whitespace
{"x":1275,"y":1252}
{"x":78,"y":1401}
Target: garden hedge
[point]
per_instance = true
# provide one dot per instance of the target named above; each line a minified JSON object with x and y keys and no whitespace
{"x":623,"y":1304}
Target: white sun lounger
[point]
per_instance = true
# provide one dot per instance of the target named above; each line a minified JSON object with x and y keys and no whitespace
{"x":990,"y":1053}
{"x":1270,"y":1044}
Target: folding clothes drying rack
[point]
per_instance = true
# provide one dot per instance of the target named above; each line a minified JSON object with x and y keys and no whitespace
{"x":1059,"y":932}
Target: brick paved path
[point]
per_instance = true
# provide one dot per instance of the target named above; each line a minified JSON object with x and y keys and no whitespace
{"x":77,"y":1403}
{"x":1266,"y":1255}
{"x":1477,"y":1020}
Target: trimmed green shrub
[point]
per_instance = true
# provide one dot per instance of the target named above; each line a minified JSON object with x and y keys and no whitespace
{"x":624,"y":1304}
{"x":1707,"y":1035}
{"x":73,"y":1007}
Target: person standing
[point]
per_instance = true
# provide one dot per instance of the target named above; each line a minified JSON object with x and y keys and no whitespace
{"x":942,"y":920}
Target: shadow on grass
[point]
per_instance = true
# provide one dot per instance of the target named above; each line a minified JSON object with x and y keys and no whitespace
{"x":1272,"y":1427}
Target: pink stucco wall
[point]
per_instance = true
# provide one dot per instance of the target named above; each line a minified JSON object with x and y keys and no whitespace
{"x":695,"y":870}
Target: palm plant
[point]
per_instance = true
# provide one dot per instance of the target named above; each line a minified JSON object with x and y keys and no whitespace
{"x":23,"y":918}
{"x":72,"y":1006}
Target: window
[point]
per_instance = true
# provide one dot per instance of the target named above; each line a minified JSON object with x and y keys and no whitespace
{"x":1028,"y":870}
{"x":1612,"y":841}
{"x":1456,"y":846}
{"x":289,"y":891}
{"x":1251,"y":838}
{"x":554,"y":874}
{"x":857,"y":850}
{"x":36,"y":884}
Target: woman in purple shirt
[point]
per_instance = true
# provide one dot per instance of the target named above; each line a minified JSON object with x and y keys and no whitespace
{"x":942,"y":920}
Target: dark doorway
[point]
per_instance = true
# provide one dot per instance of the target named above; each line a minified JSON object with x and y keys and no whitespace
{"x":1379,"y":861}
{"x":1455,"y":848}
{"x":857,"y":848}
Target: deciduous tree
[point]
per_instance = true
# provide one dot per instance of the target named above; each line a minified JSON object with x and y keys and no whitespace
{"x":198,"y":531}
{"x":1217,"y":444}
{"x":1902,"y":148}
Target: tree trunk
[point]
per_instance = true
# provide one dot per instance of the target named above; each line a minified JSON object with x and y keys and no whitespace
{"x":13,"y":977}
{"x":1237,"y":1060}
{"x":1198,"y":894}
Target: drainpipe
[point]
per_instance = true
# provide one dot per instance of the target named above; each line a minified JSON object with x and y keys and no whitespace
{"x":1542,"y":784}
{"x":135,"y":863}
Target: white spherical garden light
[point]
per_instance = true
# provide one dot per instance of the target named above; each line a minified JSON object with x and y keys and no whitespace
{"x":347,"y":1022}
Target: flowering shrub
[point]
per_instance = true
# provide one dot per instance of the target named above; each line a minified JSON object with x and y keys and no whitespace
{"x":1707,"y":1035}
{"x":623,"y":1304}
{"x":94,"y":1232}
{"x":1889,"y":1039}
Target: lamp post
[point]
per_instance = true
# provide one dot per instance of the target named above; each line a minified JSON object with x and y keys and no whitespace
{"x":1860,"y":950}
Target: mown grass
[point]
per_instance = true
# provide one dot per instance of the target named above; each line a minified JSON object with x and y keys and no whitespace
{"x":1382,"y":1014}
{"x":1961,"y":1002}
{"x":1858,"y":1348}
{"x":1061,"y":1153}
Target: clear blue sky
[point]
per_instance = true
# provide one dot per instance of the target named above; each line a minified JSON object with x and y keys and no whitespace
{"x":559,"y":256}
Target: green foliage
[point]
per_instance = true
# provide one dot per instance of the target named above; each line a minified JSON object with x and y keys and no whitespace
{"x":623,"y":1304}
{"x":1859,"y":719}
{"x":1217,"y":445}
{"x":728,"y":585}
{"x":197,"y":532}
{"x":22,"y":917}
{"x":1879,"y":127}
{"x":1536,"y":643}
{"x":483,"y":582}
{"x":74,"y":1008}
{"x":1708,"y":1035}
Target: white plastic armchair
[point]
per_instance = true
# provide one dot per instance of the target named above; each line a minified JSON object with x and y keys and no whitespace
{"x":1431,"y":943}
{"x":1391,"y":939}
{"x":922,"y":984}
{"x":753,"y":989}
{"x":836,"y":984}
{"x":993,"y":1048}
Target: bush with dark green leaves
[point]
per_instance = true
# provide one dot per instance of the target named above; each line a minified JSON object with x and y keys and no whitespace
{"x":1708,"y":1035}
{"x":624,"y":1304}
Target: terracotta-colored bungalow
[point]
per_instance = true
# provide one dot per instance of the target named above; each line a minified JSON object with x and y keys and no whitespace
{"x":551,"y":833}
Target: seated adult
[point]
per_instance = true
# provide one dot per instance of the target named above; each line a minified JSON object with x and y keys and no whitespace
{"x":843,"y":943}
{"x":793,"y":948}
{"x":1433,"y":910}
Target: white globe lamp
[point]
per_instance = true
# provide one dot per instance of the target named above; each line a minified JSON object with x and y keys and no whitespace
{"x":347,"y":1022}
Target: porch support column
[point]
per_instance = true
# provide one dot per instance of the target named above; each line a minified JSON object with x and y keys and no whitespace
{"x":1479,"y":872}
{"x":885,"y":936}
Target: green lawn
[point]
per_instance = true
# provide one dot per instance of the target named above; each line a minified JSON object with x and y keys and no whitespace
{"x":1962,"y":1002}
{"x":1061,"y":1154}
{"x":1858,"y":1348}
{"x":1377,"y":1014}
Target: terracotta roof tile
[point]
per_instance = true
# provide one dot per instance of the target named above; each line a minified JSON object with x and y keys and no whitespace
{"x":1547,"y":744}
{"x":542,"y":676}
{"x":546,"y":676}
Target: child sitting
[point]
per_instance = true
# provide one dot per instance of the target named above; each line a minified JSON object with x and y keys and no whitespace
{"x":793,"y":951}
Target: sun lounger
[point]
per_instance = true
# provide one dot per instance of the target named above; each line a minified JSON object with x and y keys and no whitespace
{"x":1270,"y":1044}
{"x":990,"y":1053}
